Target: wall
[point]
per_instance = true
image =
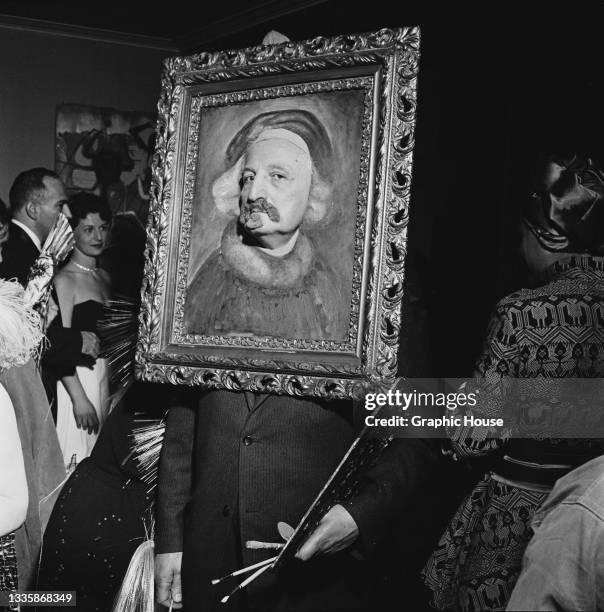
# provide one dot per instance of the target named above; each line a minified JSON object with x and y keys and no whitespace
{"x":39,"y":71}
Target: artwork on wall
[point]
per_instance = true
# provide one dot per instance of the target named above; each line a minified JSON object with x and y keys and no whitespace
{"x":276,"y":247}
{"x":108,"y":152}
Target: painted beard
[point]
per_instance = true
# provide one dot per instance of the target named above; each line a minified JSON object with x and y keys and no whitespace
{"x":250,"y":213}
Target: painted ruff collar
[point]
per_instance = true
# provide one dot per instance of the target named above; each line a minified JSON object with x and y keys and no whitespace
{"x":256,"y":266}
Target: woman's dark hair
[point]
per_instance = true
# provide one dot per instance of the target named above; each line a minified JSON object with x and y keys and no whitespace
{"x":83,"y":204}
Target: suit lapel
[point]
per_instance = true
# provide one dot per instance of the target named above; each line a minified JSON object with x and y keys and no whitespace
{"x":254,"y":400}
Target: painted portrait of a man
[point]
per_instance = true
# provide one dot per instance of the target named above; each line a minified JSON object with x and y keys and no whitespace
{"x":269,"y":276}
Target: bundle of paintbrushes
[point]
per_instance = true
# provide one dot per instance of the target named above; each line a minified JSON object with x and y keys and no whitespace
{"x":57,"y":247}
{"x":147,"y":445}
{"x":285,"y":531}
{"x":343,"y":483}
{"x":258,"y":569}
{"x":118,"y":331}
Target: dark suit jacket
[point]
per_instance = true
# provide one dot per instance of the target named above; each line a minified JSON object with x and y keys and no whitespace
{"x":18,"y":255}
{"x":229,"y":472}
{"x":64,"y":345}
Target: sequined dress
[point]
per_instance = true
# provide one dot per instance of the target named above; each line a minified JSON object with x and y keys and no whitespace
{"x":98,"y":521}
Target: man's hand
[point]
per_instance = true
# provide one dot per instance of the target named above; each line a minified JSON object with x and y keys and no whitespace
{"x":91,"y":345}
{"x":167,"y":580}
{"x":336,"y":531}
{"x":85,"y":415}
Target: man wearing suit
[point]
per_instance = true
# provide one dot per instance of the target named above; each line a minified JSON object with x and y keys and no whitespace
{"x":43,"y":197}
{"x":37,"y":196}
{"x":235,"y":464}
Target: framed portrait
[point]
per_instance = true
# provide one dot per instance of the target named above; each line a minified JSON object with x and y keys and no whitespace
{"x":278,"y":220}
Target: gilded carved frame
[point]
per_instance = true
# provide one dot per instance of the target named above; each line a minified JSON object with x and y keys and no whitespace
{"x":384,"y":65}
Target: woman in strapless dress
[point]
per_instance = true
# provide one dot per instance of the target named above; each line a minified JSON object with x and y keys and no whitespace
{"x":82,"y":290}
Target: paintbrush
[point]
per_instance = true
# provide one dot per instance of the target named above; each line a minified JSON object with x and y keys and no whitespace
{"x":255,"y":545}
{"x":245,"y":570}
{"x":247,"y":581}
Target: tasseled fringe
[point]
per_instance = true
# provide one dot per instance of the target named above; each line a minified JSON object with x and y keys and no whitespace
{"x":136,"y":592}
{"x":118,"y":331}
{"x":20,"y":327}
{"x":147,"y":445}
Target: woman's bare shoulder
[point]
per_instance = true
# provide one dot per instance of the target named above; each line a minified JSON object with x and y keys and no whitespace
{"x":65,"y":278}
{"x":66,"y":286}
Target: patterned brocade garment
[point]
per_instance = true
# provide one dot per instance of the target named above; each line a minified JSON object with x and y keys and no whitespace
{"x":553,"y":331}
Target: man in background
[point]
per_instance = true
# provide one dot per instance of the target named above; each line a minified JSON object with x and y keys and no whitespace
{"x":37,"y":197}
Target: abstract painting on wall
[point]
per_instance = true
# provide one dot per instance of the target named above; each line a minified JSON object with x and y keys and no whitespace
{"x":107,"y":152}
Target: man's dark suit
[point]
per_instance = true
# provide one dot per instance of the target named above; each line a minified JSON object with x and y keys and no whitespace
{"x":18,"y":255}
{"x":64,"y":345}
{"x":231,"y":469}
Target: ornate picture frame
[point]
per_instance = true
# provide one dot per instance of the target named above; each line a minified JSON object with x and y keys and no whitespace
{"x":325,"y":337}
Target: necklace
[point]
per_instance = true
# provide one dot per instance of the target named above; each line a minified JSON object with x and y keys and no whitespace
{"x":77,"y":265}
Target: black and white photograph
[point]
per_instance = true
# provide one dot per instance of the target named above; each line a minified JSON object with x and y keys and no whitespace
{"x":302,"y":306}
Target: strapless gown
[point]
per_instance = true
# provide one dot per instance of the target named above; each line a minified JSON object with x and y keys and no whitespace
{"x":76,"y":444}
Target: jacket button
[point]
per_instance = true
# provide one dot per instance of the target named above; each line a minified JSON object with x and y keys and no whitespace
{"x":226,"y":511}
{"x":247,"y":441}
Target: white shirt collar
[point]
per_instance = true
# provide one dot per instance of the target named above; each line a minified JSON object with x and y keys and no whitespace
{"x":284,"y":249}
{"x":29,"y":232}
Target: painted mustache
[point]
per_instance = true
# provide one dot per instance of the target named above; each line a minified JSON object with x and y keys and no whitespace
{"x":249,"y":216}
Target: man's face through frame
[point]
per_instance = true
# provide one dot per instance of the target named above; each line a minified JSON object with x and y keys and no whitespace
{"x":275,"y":187}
